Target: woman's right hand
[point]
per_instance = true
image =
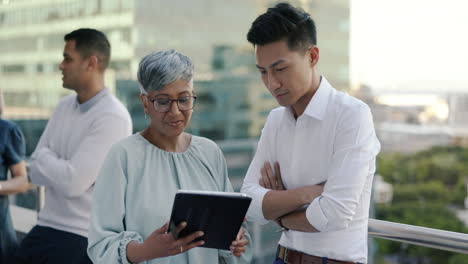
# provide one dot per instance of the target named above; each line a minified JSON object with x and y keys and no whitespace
{"x":161,"y":243}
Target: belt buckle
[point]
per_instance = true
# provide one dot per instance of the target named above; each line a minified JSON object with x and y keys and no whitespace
{"x":284,"y":254}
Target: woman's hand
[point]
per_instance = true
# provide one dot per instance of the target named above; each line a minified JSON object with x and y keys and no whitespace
{"x":238,"y":245}
{"x":162,"y":244}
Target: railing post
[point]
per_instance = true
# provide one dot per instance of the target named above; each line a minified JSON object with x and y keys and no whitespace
{"x":40,"y":202}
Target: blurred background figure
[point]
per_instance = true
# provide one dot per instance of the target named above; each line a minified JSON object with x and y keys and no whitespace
{"x":12,"y":149}
{"x":71,"y":150}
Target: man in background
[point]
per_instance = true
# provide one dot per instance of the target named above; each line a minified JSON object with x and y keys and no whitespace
{"x":67,"y":159}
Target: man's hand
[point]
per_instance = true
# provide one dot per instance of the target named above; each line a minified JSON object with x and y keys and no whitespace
{"x":269,"y":179}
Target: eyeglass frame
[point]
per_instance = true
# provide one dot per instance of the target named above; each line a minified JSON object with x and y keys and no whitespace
{"x":152,"y":100}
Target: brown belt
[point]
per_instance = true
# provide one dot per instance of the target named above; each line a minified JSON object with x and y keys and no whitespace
{"x":295,"y":257}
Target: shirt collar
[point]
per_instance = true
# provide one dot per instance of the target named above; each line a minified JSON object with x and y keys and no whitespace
{"x":318,"y":104}
{"x":91,"y":102}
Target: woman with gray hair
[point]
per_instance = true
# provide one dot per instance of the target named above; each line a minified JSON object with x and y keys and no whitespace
{"x":144,"y":171}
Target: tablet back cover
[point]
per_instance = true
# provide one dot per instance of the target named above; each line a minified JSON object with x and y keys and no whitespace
{"x":219,"y":215}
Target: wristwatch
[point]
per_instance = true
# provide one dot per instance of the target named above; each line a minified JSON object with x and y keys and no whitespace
{"x":281,"y":224}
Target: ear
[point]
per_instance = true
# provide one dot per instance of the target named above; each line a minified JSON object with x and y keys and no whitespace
{"x":145,"y":104}
{"x":93,"y":63}
{"x":314,"y":55}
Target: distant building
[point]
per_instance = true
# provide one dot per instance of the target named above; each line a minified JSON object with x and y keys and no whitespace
{"x":231,"y":107}
{"x":412,"y":122}
{"x":239,"y":153}
{"x":332,"y":18}
{"x":31,"y":40}
{"x":458,"y":118}
{"x":408,"y":138}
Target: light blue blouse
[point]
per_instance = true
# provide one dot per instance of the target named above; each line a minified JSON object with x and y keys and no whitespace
{"x":135,"y":191}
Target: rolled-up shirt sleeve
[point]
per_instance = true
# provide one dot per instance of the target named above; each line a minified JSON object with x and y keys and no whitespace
{"x":251,"y":184}
{"x":352,"y":166}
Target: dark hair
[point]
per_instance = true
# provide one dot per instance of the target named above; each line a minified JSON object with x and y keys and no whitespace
{"x":90,"y":42}
{"x":284,"y":22}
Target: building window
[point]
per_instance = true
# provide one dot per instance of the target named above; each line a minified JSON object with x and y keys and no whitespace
{"x":13,"y":68}
{"x":40,"y":67}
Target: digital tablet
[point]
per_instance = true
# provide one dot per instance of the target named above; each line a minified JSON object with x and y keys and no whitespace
{"x":218,"y":214}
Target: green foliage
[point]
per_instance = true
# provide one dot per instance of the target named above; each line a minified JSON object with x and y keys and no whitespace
{"x":427,"y":186}
{"x":447,"y":165}
{"x":433,"y":191}
{"x":458,"y":259}
{"x":459,"y":193}
{"x":433,"y":215}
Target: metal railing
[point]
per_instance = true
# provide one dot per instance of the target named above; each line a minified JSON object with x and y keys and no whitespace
{"x":410,"y":234}
{"x":417,"y":235}
{"x":25,"y":219}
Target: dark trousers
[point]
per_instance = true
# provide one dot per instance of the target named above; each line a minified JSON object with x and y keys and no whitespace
{"x":279,"y":261}
{"x":8,"y":245}
{"x":47,"y":245}
{"x":8,"y":242}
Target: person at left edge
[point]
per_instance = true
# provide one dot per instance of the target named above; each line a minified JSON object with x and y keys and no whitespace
{"x":71,"y":150}
{"x":12,"y":151}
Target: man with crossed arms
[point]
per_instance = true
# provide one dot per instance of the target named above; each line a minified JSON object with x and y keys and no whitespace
{"x":313,"y":169}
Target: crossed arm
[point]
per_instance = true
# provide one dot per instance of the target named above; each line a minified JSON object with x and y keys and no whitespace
{"x":284,"y":205}
{"x":73,"y":176}
{"x":316,"y":208}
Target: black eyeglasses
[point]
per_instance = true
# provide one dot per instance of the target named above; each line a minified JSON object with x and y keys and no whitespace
{"x":163,"y":104}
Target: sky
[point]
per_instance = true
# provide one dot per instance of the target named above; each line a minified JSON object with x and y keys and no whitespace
{"x":410,"y":45}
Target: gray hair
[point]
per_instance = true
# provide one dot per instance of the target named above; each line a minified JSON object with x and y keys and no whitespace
{"x":161,"y":68}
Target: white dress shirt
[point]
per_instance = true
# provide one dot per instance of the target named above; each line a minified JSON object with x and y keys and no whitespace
{"x":334,"y":141}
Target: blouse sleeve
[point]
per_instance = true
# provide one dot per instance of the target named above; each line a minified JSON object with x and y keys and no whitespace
{"x":108,"y":238}
{"x":226,"y":256}
{"x":15,"y":147}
